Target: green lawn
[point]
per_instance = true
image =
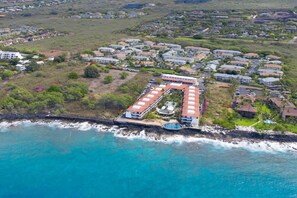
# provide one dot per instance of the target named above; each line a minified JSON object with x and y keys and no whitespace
{"x":245,"y":121}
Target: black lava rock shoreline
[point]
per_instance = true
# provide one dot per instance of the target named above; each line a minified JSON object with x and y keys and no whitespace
{"x":218,"y":133}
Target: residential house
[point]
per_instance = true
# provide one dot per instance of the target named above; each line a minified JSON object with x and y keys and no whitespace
{"x":231,"y":68}
{"x":105,"y":60}
{"x":149,"y":43}
{"x":132,"y":42}
{"x":147,"y":63}
{"x":117,"y":47}
{"x":239,"y":58}
{"x":226,"y":52}
{"x":224,"y":56}
{"x":51,"y":59}
{"x":147,"y":54}
{"x":272,"y":67}
{"x":20,"y":67}
{"x":228,"y":78}
{"x":287,"y":109}
{"x":197,"y":50}
{"x":280,"y":104}
{"x":197,"y":66}
{"x":199,"y":57}
{"x":98,"y":54}
{"x":247,"y":110}
{"x":85,"y":57}
{"x":176,"y":61}
{"x":251,"y":56}
{"x":211,"y":68}
{"x":270,"y":72}
{"x":120,"y":56}
{"x":272,"y":57}
{"x":188,"y":70}
{"x":160,"y":47}
{"x":290,"y":113}
{"x":106,"y":49}
{"x":239,"y":63}
{"x":269,"y":81}
{"x":140,"y":58}
{"x":277,"y":62}
{"x":171,"y":46}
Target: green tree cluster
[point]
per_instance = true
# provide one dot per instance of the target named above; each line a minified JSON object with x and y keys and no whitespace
{"x":60,"y":59}
{"x":71,"y":92}
{"x":108,"y":79}
{"x":115,"y":101}
{"x":73,"y":75}
{"x":6,"y":74}
{"x":20,"y":100}
{"x":124,"y":75}
{"x":32,"y":67}
{"x":91,"y":71}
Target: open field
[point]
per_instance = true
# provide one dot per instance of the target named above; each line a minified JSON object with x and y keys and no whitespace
{"x":97,"y":86}
{"x":55,"y":75}
{"x":219,"y":101}
{"x":85,"y":34}
{"x":211,"y":4}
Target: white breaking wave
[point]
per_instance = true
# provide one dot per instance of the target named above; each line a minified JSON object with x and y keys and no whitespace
{"x":261,"y":146}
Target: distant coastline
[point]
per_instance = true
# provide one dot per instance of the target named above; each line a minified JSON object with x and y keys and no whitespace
{"x":210,"y":132}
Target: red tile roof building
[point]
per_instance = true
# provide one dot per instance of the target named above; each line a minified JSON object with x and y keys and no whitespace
{"x":190,"y":109}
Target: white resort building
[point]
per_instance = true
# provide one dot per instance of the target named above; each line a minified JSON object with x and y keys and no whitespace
{"x":179,"y":79}
{"x":10,"y":55}
{"x":105,"y":60}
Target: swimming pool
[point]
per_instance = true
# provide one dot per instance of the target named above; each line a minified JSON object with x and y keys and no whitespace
{"x":173,"y":126}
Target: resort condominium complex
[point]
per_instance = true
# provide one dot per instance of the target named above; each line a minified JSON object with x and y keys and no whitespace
{"x":190,"y":106}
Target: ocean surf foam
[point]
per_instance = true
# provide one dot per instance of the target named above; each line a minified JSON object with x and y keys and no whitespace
{"x":262,"y":146}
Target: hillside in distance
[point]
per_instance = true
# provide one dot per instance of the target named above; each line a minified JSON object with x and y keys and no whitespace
{"x":84,"y":34}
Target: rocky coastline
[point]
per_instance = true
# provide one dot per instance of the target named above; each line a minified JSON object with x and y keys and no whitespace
{"x":210,"y":132}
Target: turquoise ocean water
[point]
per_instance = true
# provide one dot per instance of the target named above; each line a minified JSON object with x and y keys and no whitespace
{"x":47,"y":161}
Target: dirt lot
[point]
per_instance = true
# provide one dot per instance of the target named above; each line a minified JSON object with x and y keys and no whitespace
{"x":98,"y":87}
{"x":52,"y":53}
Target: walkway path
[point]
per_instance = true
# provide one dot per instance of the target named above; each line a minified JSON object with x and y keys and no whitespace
{"x":255,"y":123}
